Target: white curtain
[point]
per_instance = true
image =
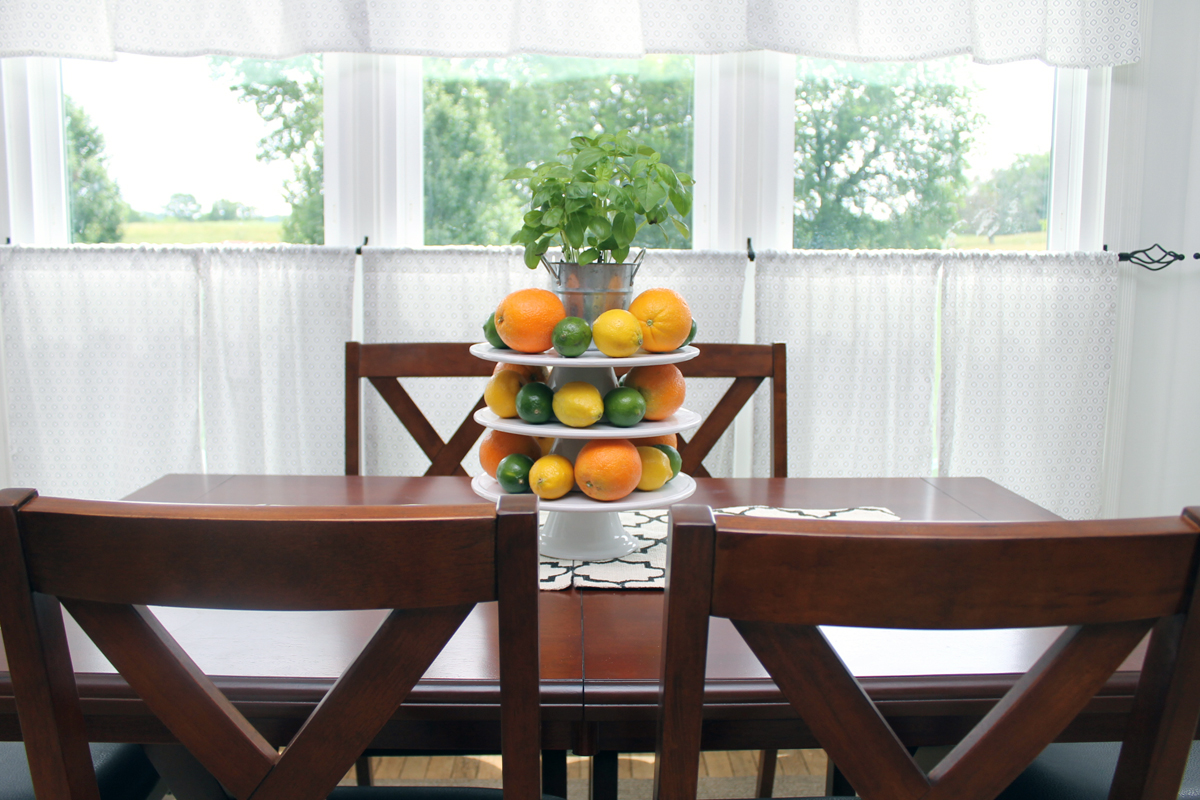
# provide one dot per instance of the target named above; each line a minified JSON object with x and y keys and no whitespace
{"x":1067,"y":33}
{"x":860,"y":331}
{"x":101,"y":349}
{"x":440,"y":294}
{"x":275,"y":323}
{"x":1028,"y":346}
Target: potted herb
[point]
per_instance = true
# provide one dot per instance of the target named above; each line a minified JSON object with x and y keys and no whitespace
{"x":592,"y":200}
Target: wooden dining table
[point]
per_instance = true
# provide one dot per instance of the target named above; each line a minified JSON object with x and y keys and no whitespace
{"x":599,"y":648}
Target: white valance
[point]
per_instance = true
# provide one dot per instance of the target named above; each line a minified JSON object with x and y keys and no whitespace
{"x":1067,"y":33}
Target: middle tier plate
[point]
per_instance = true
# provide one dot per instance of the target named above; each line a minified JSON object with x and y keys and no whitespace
{"x":681,"y":420}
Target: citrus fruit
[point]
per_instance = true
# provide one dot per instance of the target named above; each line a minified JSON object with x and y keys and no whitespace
{"x":578,"y":404}
{"x":691,"y":335}
{"x":533,"y":403}
{"x":624,"y":406}
{"x":662,"y":386}
{"x":489,"y":333}
{"x":656,"y":468}
{"x":529,"y":373}
{"x":617,"y":333}
{"x":650,"y":441}
{"x":608,"y":469}
{"x":664,"y":317}
{"x":571,"y":337}
{"x":551,"y":477}
{"x":513,"y":473}
{"x":500,"y":394}
{"x":546,"y":443}
{"x":526,"y":318}
{"x":672,"y":456}
{"x":495,"y":445}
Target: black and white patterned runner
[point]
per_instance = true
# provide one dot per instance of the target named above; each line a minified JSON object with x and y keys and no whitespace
{"x":645,"y":568}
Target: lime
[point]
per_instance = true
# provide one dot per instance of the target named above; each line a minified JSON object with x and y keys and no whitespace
{"x":534,"y":402}
{"x":513,"y":473}
{"x":672,"y":456}
{"x":690,"y":336}
{"x":624,"y":406}
{"x":571,"y":337}
{"x":489,"y":332}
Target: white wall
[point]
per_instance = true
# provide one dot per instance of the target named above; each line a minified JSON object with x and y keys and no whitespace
{"x":1153,"y":195}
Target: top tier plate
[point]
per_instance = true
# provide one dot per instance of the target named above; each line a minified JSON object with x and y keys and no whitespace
{"x":590,"y":359}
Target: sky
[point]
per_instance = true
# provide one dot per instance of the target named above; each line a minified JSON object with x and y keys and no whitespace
{"x":170,"y":128}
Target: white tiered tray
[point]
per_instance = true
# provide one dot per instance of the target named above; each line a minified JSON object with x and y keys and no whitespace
{"x":578,"y":527}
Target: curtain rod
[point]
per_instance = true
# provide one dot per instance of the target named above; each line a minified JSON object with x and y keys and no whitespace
{"x":1150,"y":259}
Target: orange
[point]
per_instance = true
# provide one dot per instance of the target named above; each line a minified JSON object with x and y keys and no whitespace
{"x":650,"y":441}
{"x":662,"y":386}
{"x":608,"y":469}
{"x":529,"y":373}
{"x":495,"y":445}
{"x":665,"y":318}
{"x":525,"y":319}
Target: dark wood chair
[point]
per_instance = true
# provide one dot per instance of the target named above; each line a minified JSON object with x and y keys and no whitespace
{"x":1110,"y":581}
{"x":384,"y":365}
{"x":430,"y":565}
{"x":749,"y":365}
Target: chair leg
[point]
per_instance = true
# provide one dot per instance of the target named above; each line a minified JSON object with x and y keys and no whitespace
{"x":836,"y":783}
{"x":554,"y":772}
{"x":766,"y":773}
{"x":602,"y":784}
{"x":362,"y":770}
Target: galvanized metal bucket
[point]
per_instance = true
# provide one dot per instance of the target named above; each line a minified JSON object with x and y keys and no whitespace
{"x":588,"y":290}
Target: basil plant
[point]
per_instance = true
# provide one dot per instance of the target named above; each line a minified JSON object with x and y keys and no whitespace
{"x":595,"y":197}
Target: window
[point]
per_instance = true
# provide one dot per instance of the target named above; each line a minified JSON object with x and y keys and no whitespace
{"x":938,"y":154}
{"x":484,"y":117}
{"x":194,"y":149}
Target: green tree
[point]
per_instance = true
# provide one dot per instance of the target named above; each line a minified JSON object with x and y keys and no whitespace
{"x":97,"y":209}
{"x":291,"y":94}
{"x":1012,"y":200}
{"x":183,"y":206}
{"x":465,"y":200}
{"x":535,"y":104}
{"x":880,"y":155}
{"x":229,"y":209}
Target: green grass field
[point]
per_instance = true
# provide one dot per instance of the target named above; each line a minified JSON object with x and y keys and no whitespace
{"x":176,"y":231}
{"x":1011,"y":241}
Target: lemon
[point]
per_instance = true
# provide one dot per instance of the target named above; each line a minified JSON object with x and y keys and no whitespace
{"x":551,"y":477}
{"x":578,"y":404}
{"x":500,"y":394}
{"x":617,"y":333}
{"x":656,"y":468}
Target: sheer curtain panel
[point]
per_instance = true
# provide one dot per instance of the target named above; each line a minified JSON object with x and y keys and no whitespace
{"x":1029,"y":342}
{"x":861,"y":333}
{"x":274,"y":325}
{"x":1067,"y":33}
{"x":101,"y":349}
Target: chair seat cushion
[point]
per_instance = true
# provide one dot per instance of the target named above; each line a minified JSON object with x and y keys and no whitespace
{"x":1084,"y":771}
{"x":122,"y":770}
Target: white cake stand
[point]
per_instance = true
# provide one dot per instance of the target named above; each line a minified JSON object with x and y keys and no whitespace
{"x":578,"y":527}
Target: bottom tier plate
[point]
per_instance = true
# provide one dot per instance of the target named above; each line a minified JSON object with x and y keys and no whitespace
{"x":679,"y":488}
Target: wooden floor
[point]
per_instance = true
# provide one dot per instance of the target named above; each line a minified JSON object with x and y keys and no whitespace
{"x":721,"y":764}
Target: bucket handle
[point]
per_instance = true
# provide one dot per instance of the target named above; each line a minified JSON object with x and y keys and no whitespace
{"x":637,"y":264}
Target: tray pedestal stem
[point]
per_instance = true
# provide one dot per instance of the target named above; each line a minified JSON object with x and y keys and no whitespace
{"x":585,"y":536}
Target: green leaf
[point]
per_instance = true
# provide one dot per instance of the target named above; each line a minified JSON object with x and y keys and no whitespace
{"x":561,"y":172}
{"x":532,"y":257}
{"x":526,"y":235}
{"x":619,"y":253}
{"x":518,"y":174}
{"x":683,"y":229}
{"x":532,"y":217}
{"x":589,"y":157}
{"x":681,"y":201}
{"x":589,"y":255}
{"x":552,"y":217}
{"x":574,"y":230}
{"x":601,"y":227}
{"x":579,"y":189}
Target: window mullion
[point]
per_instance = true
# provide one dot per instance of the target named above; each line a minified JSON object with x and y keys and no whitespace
{"x":33,"y":184}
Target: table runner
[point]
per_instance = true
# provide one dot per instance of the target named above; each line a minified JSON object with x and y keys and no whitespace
{"x":645,"y":568}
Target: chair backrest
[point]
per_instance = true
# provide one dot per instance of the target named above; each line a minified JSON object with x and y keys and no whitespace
{"x":748,"y":365}
{"x":384,"y":365}
{"x":1109,"y":581}
{"x":105,"y":562}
